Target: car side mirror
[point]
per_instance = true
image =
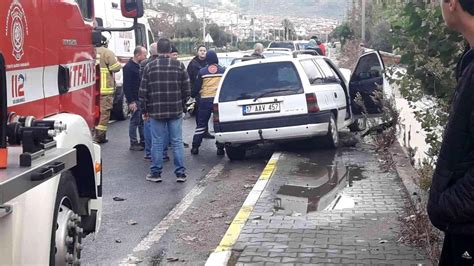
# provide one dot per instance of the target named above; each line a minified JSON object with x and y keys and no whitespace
{"x":132,"y":8}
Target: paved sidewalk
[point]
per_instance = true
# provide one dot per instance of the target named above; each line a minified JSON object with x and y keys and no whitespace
{"x":298,"y":221}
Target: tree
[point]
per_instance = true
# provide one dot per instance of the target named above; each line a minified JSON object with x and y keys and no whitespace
{"x":342,"y":33}
{"x":430,"y":52}
{"x":288,"y":28}
{"x":220,"y":37}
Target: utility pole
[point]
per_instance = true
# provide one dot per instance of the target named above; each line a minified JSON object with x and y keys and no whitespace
{"x":363,"y":20}
{"x":204,"y":21}
{"x":253,"y":19}
{"x":253,"y":29}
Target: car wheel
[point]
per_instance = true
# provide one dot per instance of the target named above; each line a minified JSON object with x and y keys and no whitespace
{"x":120,"y":110}
{"x":235,"y":153}
{"x":332,"y":137}
{"x":66,"y":234}
{"x":360,"y":124}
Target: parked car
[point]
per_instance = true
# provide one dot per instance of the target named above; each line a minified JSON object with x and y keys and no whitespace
{"x":302,"y":45}
{"x":225,"y":59}
{"x":292,"y":45}
{"x":287,"y":98}
{"x":272,"y":52}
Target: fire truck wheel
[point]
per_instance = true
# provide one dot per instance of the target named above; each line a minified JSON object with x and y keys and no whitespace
{"x":66,"y":237}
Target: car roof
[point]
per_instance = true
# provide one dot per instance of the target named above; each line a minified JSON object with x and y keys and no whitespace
{"x":273,"y":60}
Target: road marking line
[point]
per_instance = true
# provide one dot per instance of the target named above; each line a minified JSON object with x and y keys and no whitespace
{"x":222,"y":253}
{"x":155,"y":235}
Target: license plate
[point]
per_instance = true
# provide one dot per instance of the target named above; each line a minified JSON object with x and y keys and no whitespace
{"x":261,"y":108}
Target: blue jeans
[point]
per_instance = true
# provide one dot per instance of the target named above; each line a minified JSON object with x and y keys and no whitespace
{"x":147,"y":135}
{"x":203,"y":115}
{"x":136,"y":122}
{"x":160,"y":128}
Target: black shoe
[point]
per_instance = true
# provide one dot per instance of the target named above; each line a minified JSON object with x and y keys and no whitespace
{"x":207,"y":135}
{"x":100,"y":140}
{"x":186,"y":145}
{"x":195,"y":150}
{"x":154,"y":178}
{"x":220,"y":151}
{"x":181,"y":177}
{"x":136,"y":147}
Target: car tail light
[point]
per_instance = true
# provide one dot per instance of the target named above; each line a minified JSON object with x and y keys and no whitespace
{"x":97,"y":95}
{"x":312,"y":103}
{"x":215,"y":112}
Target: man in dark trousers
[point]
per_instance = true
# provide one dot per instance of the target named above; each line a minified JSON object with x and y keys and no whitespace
{"x":163,"y":90}
{"x":131,"y":85}
{"x":205,"y":88}
{"x":451,"y":201}
{"x":198,"y":62}
{"x":146,"y":123}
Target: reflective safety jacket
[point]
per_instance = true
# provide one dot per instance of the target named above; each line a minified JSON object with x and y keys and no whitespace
{"x":208,"y":77}
{"x":108,"y":66}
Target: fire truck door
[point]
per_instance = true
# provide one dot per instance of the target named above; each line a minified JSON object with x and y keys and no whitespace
{"x":21,"y":43}
{"x":71,"y":56}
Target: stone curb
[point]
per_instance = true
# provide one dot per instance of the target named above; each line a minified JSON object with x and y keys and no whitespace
{"x":222,"y":254}
{"x":407,"y":174}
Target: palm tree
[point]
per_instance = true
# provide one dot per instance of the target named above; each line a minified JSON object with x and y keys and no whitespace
{"x":288,"y":27}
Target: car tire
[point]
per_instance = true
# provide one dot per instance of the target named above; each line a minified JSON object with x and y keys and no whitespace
{"x":332,"y":137}
{"x":66,"y":233}
{"x":120,"y":108}
{"x":360,"y":124}
{"x":235,"y":153}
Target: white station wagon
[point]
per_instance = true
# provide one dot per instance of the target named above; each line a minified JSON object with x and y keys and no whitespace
{"x":288,"y":98}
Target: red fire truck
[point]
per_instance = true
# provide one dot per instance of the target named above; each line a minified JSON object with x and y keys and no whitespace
{"x":50,"y":170}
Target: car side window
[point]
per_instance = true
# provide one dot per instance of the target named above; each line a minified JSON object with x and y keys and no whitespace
{"x":86,"y":8}
{"x":312,"y":72}
{"x":325,"y":68}
{"x":329,"y":75}
{"x":368,"y":67}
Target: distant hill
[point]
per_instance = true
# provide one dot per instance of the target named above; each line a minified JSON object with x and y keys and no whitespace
{"x":335,"y":9}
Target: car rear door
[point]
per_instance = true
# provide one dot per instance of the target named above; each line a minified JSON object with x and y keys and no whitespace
{"x":368,"y":82}
{"x":336,"y":92}
{"x":261,"y":91}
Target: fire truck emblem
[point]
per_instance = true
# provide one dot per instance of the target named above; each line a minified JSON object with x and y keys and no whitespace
{"x":17,"y":28}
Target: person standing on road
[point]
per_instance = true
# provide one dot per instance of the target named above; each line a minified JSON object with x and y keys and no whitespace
{"x":163,"y":89}
{"x":205,"y":88}
{"x":146,"y":122}
{"x":258,"y":50}
{"x":196,"y":64}
{"x":108,"y":66}
{"x":451,"y":199}
{"x":312,"y":45}
{"x":174,"y":55}
{"x":131,"y":85}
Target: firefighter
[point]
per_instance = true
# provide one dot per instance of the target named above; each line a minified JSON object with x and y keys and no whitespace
{"x":108,"y":66}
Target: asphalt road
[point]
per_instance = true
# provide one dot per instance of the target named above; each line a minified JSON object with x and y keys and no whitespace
{"x":147,"y":204}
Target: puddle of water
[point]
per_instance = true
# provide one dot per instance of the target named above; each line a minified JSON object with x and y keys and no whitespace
{"x":315,"y":187}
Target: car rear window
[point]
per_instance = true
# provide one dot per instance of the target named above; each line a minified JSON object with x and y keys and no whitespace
{"x":271,"y":79}
{"x":287,"y":45}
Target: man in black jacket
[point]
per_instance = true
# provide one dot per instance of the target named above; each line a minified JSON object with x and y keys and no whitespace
{"x":131,"y":85}
{"x":451,"y":201}
{"x":198,"y":62}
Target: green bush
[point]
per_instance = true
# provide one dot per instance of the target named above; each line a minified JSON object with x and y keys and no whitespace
{"x":430,"y":51}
